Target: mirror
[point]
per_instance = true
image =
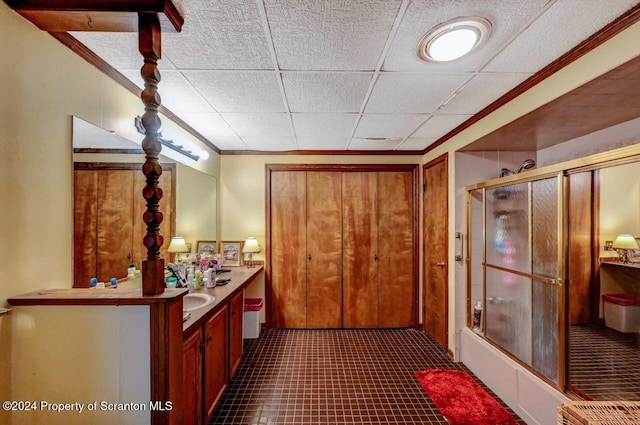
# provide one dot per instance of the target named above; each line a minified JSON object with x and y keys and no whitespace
{"x":109,"y":204}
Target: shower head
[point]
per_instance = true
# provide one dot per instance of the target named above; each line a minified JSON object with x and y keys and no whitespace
{"x":526,"y":165}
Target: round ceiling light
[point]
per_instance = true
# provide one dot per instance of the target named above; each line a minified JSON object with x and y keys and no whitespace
{"x":453,"y":39}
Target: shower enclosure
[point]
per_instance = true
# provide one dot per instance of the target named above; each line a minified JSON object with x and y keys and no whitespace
{"x":515,"y":228}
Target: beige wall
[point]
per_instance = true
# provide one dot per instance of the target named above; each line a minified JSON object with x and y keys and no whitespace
{"x":43,"y":84}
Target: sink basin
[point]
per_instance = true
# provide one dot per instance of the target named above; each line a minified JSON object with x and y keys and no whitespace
{"x":194,"y":301}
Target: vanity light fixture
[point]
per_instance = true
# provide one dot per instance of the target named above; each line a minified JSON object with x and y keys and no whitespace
{"x":453,"y":39}
{"x":178,"y":246}
{"x":189,"y":153}
{"x":250,"y":247}
{"x":623,"y":245}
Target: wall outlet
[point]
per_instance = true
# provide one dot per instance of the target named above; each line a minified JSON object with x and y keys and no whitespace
{"x":608,"y":245}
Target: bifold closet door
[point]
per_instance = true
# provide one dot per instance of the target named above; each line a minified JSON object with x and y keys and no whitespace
{"x":395,"y":251}
{"x":288,"y":249}
{"x":360,"y":249}
{"x":324,"y":249}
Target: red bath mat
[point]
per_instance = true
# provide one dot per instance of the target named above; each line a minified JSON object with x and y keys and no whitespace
{"x":461,"y":400}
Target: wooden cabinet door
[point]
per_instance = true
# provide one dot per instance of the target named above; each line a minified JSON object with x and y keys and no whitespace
{"x":360,"y":249}
{"x":395,"y":264}
{"x":192,"y":379}
{"x":85,"y":224}
{"x":288,"y":249}
{"x":216,"y":371}
{"x":115,"y":224}
{"x":235,"y":333}
{"x":324,"y":250}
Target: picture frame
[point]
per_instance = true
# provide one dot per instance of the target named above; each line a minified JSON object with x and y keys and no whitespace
{"x":231,"y":253}
{"x":207,"y":247}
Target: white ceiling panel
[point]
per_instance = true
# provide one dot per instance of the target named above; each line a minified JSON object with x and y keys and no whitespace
{"x":566,"y":24}
{"x":439,"y":125}
{"x":373,"y":145}
{"x":323,"y":143}
{"x":481,"y":91}
{"x":259,"y":125}
{"x":229,"y":143}
{"x":239,"y":91}
{"x":309,"y":126}
{"x":210,"y":125}
{"x":270,"y":143}
{"x":411,"y":93}
{"x":220,"y":34}
{"x":325,"y":92}
{"x":176,"y":93}
{"x":507,"y":19}
{"x":330,"y":35}
{"x":416,"y":144}
{"x":388,"y":125}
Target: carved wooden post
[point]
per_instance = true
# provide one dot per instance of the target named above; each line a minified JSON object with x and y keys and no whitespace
{"x":149,"y":46}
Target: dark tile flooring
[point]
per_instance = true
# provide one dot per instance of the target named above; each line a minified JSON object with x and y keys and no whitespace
{"x":605,"y":363}
{"x":334,"y":377}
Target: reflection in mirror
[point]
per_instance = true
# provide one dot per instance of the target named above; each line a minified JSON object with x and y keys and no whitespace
{"x":108,"y":204}
{"x":604,"y":341}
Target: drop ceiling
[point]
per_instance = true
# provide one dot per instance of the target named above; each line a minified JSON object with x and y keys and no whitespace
{"x":292,"y":75}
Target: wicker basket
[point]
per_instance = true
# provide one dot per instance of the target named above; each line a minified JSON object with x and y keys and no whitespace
{"x":599,"y":413}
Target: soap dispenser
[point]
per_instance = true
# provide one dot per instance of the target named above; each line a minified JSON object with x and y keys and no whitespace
{"x":477,"y":316}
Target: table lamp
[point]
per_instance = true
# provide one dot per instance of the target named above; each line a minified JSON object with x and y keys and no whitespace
{"x":623,"y":245}
{"x":251,"y":246}
{"x":178,"y":246}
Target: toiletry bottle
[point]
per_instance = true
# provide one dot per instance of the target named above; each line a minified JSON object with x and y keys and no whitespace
{"x":198,"y":279}
{"x":477,"y":316}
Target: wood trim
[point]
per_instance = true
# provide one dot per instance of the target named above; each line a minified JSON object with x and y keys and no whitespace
{"x":95,"y":60}
{"x":118,"y":166}
{"x":267,"y":270}
{"x":109,"y":151}
{"x":322,"y":152}
{"x":341,"y":167}
{"x":416,"y":247}
{"x":92,"y":296}
{"x":595,"y":249}
{"x":606,"y":33}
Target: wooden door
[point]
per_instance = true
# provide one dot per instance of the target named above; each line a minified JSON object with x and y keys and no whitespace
{"x":288,"y":249}
{"x":435,"y":234}
{"x":360,"y":249}
{"x":85,"y":225}
{"x":580,"y":247}
{"x":216,"y":360}
{"x":236,"y":306}
{"x":115,"y":224}
{"x":395,"y":218}
{"x":324,"y":249}
{"x":192,"y":379}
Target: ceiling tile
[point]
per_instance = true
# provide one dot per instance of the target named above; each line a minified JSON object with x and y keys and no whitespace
{"x":210,"y":125}
{"x":259,"y":125}
{"x":398,"y":93}
{"x":271,"y":143}
{"x":325,"y":92}
{"x":240,"y":91}
{"x":481,"y":91}
{"x":388,"y":125}
{"x":439,"y":125}
{"x":323,"y":143}
{"x":324,"y":125}
{"x":229,"y":143}
{"x":176,"y":93}
{"x":221,"y":34}
{"x":416,"y":144}
{"x":564,"y":25}
{"x":373,"y":145}
{"x":507,"y":18}
{"x":332,"y":34}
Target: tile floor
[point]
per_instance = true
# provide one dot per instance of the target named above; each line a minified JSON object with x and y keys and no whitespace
{"x":334,"y":377}
{"x":605,"y":363}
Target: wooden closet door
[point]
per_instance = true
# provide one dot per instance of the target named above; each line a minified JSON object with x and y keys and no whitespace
{"x":85,"y":224}
{"x":115,"y":227}
{"x":395,"y":264}
{"x":324,"y":249}
{"x":288,"y":249}
{"x":360,"y":249}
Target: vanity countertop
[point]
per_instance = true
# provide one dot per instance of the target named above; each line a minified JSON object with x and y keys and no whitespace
{"x":240,"y":277}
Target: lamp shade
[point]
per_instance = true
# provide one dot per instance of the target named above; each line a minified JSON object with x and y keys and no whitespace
{"x":251,"y":245}
{"x":178,"y":245}
{"x":625,"y":242}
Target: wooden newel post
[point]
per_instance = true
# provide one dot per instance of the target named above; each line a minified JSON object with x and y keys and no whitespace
{"x":149,"y":46}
